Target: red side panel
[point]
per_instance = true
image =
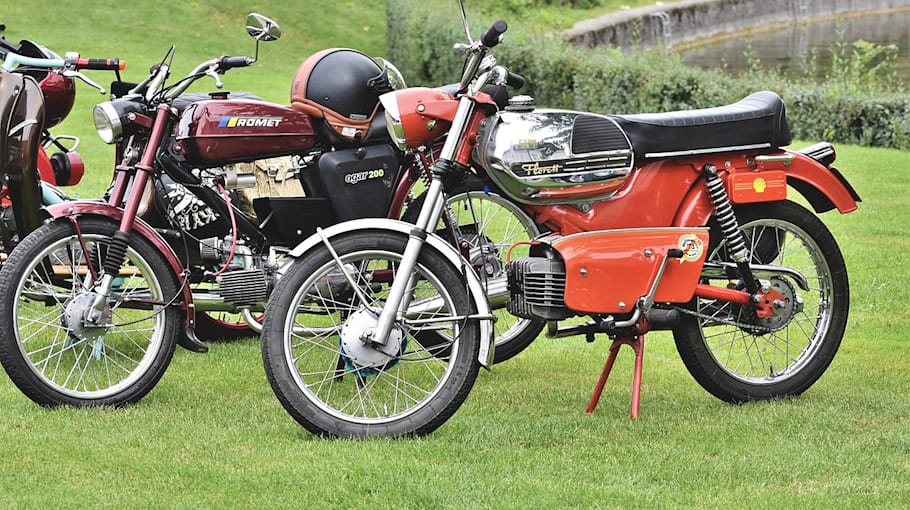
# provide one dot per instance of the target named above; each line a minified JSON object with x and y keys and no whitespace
{"x":45,"y":170}
{"x":608,"y":271}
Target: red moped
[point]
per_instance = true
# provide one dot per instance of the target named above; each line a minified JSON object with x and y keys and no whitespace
{"x":679,"y":221}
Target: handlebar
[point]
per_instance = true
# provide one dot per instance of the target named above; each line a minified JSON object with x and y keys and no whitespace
{"x":99,"y":64}
{"x":515,"y":80}
{"x":71,"y":62}
{"x":14,"y":60}
{"x":490,"y":37}
{"x":226,"y":63}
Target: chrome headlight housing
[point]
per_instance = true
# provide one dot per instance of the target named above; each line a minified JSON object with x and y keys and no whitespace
{"x":393,"y":119}
{"x":396,"y":79}
{"x":112,"y":116}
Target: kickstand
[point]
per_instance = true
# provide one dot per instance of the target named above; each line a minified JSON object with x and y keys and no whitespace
{"x":637,"y":343}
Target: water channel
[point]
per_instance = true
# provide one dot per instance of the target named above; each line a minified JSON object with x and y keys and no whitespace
{"x":787,"y":47}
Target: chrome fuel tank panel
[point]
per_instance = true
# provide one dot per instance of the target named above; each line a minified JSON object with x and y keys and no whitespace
{"x":528,"y":152}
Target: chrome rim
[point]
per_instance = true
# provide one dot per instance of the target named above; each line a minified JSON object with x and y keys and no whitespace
{"x":773,"y":357}
{"x":499,"y":224}
{"x":66,"y":361}
{"x":331,"y":378}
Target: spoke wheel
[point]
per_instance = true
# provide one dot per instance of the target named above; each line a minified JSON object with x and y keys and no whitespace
{"x":331,"y":380}
{"x":784,"y":355}
{"x":56,"y":356}
{"x":491,"y":224}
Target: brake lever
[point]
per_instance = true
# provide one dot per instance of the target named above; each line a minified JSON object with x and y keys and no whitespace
{"x":69,"y":73}
{"x":213,"y":73}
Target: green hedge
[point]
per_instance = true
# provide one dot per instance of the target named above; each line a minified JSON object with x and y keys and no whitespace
{"x":560,"y":75}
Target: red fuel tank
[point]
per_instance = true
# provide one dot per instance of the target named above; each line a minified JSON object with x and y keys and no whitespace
{"x":216,"y":132}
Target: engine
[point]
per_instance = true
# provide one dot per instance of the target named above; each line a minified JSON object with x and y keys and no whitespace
{"x":537,"y":287}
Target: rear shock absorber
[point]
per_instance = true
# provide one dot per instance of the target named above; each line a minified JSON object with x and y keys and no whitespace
{"x":723,"y":211}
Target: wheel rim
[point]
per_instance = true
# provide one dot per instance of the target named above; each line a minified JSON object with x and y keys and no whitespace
{"x":500,"y":225}
{"x":326,"y":373}
{"x":776,"y":356}
{"x":72,"y":365}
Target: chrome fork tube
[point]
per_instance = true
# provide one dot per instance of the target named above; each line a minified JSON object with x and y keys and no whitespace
{"x":397,"y":301}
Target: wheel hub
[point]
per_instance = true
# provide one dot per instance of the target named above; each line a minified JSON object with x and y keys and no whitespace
{"x":77,"y":319}
{"x":363,"y":353}
{"x":785,"y":307}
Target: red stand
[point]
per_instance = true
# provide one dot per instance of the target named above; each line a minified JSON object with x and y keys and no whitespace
{"x":637,"y":343}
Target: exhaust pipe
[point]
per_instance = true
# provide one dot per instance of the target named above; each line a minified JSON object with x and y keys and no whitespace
{"x":497,"y":295}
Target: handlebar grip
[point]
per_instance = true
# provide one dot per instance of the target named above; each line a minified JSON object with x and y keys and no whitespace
{"x":232,"y":62}
{"x":515,"y":80}
{"x":101,"y":64}
{"x":490,"y":37}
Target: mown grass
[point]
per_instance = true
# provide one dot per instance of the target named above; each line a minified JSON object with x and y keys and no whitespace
{"x":212,"y":435}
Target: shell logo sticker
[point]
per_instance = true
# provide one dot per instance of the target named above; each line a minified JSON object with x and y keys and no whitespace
{"x":759,"y":185}
{"x":692,"y":248}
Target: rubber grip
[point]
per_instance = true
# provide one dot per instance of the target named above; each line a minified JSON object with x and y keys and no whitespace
{"x":490,"y":38}
{"x":101,"y":64}
{"x":232,"y":62}
{"x":515,"y":80}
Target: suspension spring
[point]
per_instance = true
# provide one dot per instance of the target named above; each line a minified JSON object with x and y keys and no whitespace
{"x":116,"y":252}
{"x":723,"y":212}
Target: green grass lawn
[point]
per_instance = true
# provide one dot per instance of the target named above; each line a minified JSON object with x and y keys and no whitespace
{"x":212,"y":434}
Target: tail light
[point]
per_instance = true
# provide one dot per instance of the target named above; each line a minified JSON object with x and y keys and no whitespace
{"x":68,"y":168}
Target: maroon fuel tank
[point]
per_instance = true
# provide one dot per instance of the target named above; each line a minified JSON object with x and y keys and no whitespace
{"x":216,"y":132}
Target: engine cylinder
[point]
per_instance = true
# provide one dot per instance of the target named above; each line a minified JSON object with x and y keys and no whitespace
{"x":537,"y":287}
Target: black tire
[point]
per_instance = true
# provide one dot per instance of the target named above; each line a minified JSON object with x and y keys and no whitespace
{"x":120,"y":365}
{"x":512,"y":334}
{"x":315,"y":398}
{"x":738,"y":366}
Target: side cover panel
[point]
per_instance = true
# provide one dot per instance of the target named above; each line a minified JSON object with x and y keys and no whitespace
{"x":608,"y":271}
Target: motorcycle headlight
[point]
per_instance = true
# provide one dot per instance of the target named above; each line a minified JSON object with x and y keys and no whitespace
{"x":393,"y":119}
{"x":107,"y":122}
{"x":112,"y":116}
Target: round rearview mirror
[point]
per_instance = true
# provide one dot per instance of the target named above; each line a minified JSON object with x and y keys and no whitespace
{"x":262,"y":28}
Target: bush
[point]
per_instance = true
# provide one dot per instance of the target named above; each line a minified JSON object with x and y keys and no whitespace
{"x":858,"y":102}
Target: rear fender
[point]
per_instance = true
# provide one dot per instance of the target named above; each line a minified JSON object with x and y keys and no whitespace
{"x":439,"y":244}
{"x":825,"y":188}
{"x":108,"y":212}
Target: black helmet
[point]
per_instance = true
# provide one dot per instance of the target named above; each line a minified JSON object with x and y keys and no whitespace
{"x":342,"y":86}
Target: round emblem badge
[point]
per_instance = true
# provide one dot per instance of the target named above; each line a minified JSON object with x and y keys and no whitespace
{"x":692,"y":247}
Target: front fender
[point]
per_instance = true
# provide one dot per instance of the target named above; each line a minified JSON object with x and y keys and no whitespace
{"x":439,"y":244}
{"x":101,"y":209}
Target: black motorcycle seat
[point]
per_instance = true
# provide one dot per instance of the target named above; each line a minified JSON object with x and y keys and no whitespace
{"x":184,"y":100}
{"x":757,"y":121}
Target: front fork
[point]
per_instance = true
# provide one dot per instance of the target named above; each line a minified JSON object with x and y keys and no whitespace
{"x":116,"y":253}
{"x":399,"y":296}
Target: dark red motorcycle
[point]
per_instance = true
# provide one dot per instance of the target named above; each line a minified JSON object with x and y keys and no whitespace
{"x":99,"y":294}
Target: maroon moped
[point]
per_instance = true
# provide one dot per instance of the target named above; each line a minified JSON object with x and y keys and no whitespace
{"x":100,"y":294}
